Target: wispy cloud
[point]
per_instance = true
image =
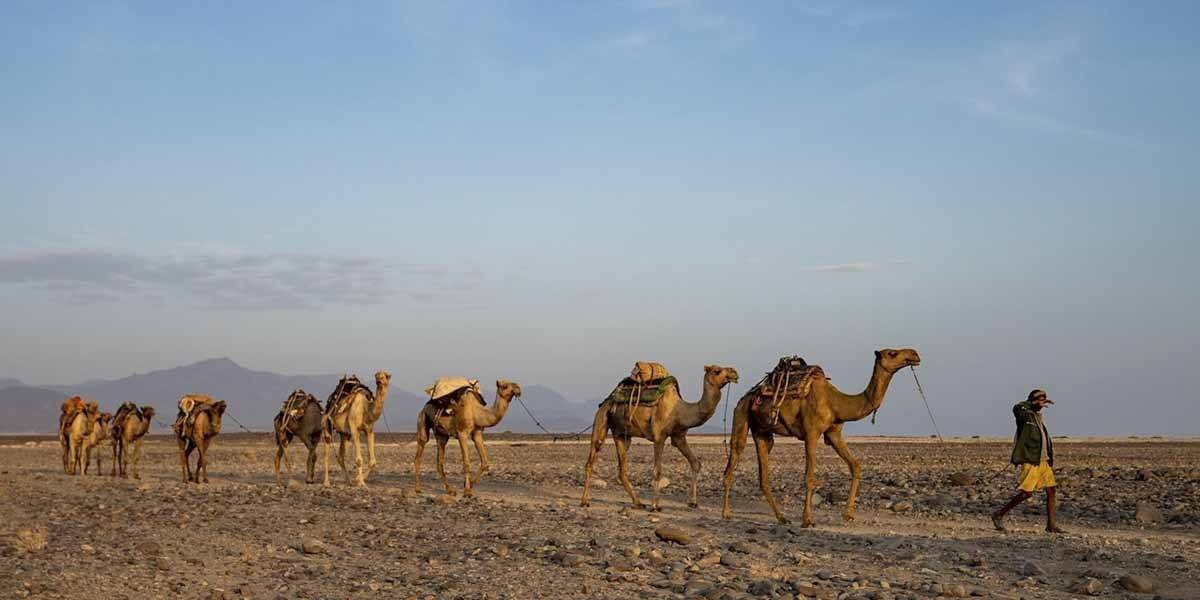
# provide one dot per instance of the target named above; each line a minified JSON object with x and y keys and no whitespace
{"x":695,"y":18}
{"x":633,"y":39}
{"x":849,"y":14}
{"x":232,"y":280}
{"x":857,"y":267}
{"x":1023,"y":64}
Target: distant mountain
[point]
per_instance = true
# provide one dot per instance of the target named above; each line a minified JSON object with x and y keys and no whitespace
{"x":254,"y":398}
{"x":7,"y":382}
{"x":29,"y":409}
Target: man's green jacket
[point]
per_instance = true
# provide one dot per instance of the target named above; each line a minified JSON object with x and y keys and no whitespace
{"x":1027,"y":443}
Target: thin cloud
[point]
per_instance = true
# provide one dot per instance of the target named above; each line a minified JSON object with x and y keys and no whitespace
{"x":691,"y":17}
{"x":231,"y":280}
{"x":633,"y":39}
{"x":857,"y":267}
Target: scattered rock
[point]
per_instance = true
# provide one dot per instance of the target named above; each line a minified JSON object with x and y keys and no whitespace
{"x":567,"y":559}
{"x":1147,"y":514}
{"x":1137,"y":584}
{"x":1143,"y":475}
{"x":599,"y":484}
{"x":902,"y":506}
{"x":1032,"y":569}
{"x":1090,"y":586}
{"x":762,"y":587}
{"x":87,"y":548}
{"x":314,"y":546}
{"x":962,"y":479}
{"x":670,"y":533}
{"x":663,"y":483}
{"x":444,"y":500}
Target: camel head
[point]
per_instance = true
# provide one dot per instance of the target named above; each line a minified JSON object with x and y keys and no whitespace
{"x":720,"y":376}
{"x":382,"y":378}
{"x":507,"y":389}
{"x":893,"y":360}
{"x":93,"y":410}
{"x":102,"y":421}
{"x":218,"y":409}
{"x":148,"y":412}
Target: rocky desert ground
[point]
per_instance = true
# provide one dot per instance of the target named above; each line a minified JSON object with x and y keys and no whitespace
{"x":1132,"y":508}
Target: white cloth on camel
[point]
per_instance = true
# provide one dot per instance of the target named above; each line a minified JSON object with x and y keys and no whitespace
{"x":446,"y":386}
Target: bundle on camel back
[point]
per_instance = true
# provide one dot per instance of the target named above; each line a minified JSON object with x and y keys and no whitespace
{"x":129,"y":426}
{"x":645,"y":386}
{"x":456,"y":409}
{"x":300,"y":416}
{"x":189,"y":406}
{"x":791,"y":378}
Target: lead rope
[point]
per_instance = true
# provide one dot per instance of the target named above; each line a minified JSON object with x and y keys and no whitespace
{"x":726,"y":426}
{"x":927,"y":409}
{"x":239,"y":424}
{"x":535,"y":421}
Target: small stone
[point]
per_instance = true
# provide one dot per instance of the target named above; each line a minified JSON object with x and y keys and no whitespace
{"x":599,"y":484}
{"x":1147,"y":514}
{"x":148,"y":547}
{"x":670,"y":533}
{"x":444,"y":500}
{"x":962,"y":479}
{"x":162,"y":564}
{"x":567,"y":559}
{"x":217,"y":594}
{"x":709,"y":560}
{"x":762,"y":587}
{"x":824,"y":574}
{"x":1090,"y":586}
{"x":902,"y":506}
{"x":1143,"y":475}
{"x":1032,"y":569}
{"x":1137,"y":584}
{"x":87,"y":548}
{"x":314,"y":546}
{"x":663,"y":483}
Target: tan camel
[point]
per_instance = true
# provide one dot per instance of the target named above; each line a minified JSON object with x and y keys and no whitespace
{"x":77,"y":421}
{"x":200,"y":428}
{"x":670,"y":419}
{"x":99,"y":434}
{"x":467,"y":418}
{"x":128,"y":428}
{"x":818,"y":414}
{"x":349,"y":417}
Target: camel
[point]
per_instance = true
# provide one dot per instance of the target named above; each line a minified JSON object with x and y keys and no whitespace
{"x":819,"y":413}
{"x":99,"y":434}
{"x":76,"y":422}
{"x":196,"y":433}
{"x":128,"y":427}
{"x":300,"y":416}
{"x":467,"y":417}
{"x":670,"y":419}
{"x":351,"y":410}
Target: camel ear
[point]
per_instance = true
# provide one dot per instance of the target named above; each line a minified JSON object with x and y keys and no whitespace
{"x":878,"y":355}
{"x":499,"y":382}
{"x":709,"y":368}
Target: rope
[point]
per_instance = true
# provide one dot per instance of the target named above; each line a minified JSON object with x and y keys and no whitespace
{"x":726,"y":426}
{"x":535,"y":421}
{"x":385,"y":422}
{"x":927,"y":409}
{"x":239,"y":424}
{"x":574,"y":435}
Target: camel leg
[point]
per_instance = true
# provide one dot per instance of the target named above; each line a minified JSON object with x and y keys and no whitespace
{"x":599,"y":431}
{"x":342,"y":456}
{"x":810,"y":474}
{"x":187,"y":462}
{"x":622,"y":444}
{"x":484,"y":466}
{"x":116,"y":459}
{"x":655,"y":506}
{"x":833,"y":437}
{"x":87,"y":458}
{"x":183,"y":461}
{"x":280,"y":453}
{"x":327,"y":442}
{"x":737,"y":443}
{"x":359,"y":480}
{"x":442,"y":440}
{"x":310,"y":472}
{"x":137,"y":458}
{"x":371,"y":462}
{"x":422,"y":439}
{"x":99,"y":454}
{"x":202,"y":462}
{"x":680,"y":442}
{"x":762,"y":448}
{"x":466,"y":459}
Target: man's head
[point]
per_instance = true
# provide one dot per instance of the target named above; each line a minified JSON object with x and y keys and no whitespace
{"x":1038,"y":399}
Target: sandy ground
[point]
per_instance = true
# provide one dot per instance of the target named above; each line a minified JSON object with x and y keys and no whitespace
{"x":524,"y":535}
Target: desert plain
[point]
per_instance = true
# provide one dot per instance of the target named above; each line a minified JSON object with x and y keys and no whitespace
{"x":1131,"y":506}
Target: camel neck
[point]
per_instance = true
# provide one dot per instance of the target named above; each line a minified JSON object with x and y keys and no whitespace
{"x":857,"y":406}
{"x":381,"y":392}
{"x":698,"y":413}
{"x":497,"y":412}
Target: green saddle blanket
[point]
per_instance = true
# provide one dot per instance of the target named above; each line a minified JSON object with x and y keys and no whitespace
{"x":630,"y":392}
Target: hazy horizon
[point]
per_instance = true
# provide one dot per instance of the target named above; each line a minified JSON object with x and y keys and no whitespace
{"x":550,"y":193}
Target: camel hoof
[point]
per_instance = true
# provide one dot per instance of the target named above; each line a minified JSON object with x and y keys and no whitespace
{"x":585,"y":503}
{"x":693,"y":505}
{"x":138,"y":477}
{"x":639,"y":506}
{"x":848,"y":517}
{"x":806,"y":524}
{"x":655,"y":509}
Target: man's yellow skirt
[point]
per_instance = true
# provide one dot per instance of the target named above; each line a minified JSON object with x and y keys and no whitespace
{"x":1033,"y":478}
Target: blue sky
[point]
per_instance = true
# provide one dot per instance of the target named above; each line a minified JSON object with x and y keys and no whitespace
{"x":547,"y":192}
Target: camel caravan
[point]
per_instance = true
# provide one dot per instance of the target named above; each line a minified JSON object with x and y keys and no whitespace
{"x":793,"y":399}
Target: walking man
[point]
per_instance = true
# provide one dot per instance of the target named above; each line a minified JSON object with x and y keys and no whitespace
{"x":1033,"y":451}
